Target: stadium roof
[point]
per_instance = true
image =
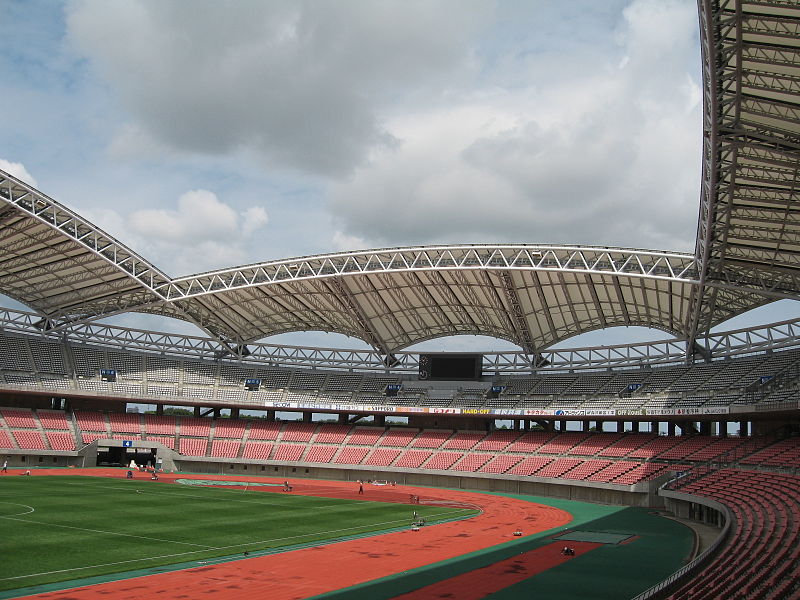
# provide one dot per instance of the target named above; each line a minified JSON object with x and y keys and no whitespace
{"x":749,"y":228}
{"x":747,"y":248}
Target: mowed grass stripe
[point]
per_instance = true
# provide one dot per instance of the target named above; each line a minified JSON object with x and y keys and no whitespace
{"x":84,"y":527}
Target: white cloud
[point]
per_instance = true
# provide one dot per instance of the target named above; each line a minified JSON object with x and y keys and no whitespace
{"x":301,"y":82}
{"x":199,"y":216}
{"x":201,"y":233}
{"x":585,"y":149}
{"x":18,"y":170}
{"x":253,"y":218}
{"x":346,"y":243}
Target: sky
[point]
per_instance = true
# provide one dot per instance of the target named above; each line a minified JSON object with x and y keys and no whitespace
{"x":211,"y":133}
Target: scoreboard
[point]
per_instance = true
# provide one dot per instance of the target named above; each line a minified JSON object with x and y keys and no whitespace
{"x":451,"y":367}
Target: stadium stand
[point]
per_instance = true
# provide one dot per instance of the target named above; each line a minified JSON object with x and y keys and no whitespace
{"x":224,"y":449}
{"x":320,"y":454}
{"x":22,"y":418}
{"x":351,"y":456}
{"x":365,"y":436}
{"x":382,"y":457}
{"x":760,"y":560}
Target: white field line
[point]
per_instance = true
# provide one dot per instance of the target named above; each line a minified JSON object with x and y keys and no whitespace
{"x":143,"y":537}
{"x":181,"y":494}
{"x":27,"y":512}
{"x":175,"y":555}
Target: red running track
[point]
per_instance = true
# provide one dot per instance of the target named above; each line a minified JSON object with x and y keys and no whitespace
{"x":304,"y":573}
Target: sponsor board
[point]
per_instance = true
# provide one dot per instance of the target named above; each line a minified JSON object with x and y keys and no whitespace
{"x":534,"y":412}
{"x":605,"y":412}
{"x":632,"y":412}
{"x":477,"y":411}
{"x":680,"y":412}
{"x":570,"y":413}
{"x":446,"y":411}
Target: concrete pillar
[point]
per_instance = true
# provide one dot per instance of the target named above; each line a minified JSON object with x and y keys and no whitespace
{"x":722,"y":429}
{"x":585,"y":426}
{"x":380,"y":420}
{"x":705,"y":427}
{"x":159,"y":409}
{"x":562,"y":425}
{"x":343,"y":418}
{"x":197,"y":411}
{"x":670,"y":428}
{"x":635,"y":426}
{"x":235,"y":413}
{"x":744,"y":431}
{"x":307,"y":417}
{"x":270,"y":414}
{"x":217,"y":413}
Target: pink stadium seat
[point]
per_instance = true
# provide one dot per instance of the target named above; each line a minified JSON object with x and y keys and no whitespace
{"x":225,"y":448}
{"x":558,"y":467}
{"x":656,"y":446}
{"x":472,"y":462}
{"x":321,"y":454}
{"x":125,"y":422}
{"x":530,"y":465}
{"x":159,"y":424}
{"x":594,"y":444}
{"x":195,"y":426}
{"x":19,"y":417}
{"x":257,"y":450}
{"x":264,"y":430}
{"x":60,"y":440}
{"x":88,"y":438}
{"x":365,"y":436}
{"x":289,"y":451}
{"x":759,"y":560}
{"x":351,"y":456}
{"x":411,"y":459}
{"x":166,"y":440}
{"x":586,"y":469}
{"x":562,"y":443}
{"x":531,"y":441}
{"x":382,"y":457}
{"x":29,"y":440}
{"x":298,"y":432}
{"x":627,"y":444}
{"x":333,"y":434}
{"x":5,"y":440}
{"x":430,"y":438}
{"x":91,"y":421}
{"x":463,"y":440}
{"x":53,"y":419}
{"x":498,"y":440}
{"x":399,"y":438}
{"x":192,"y":446}
{"x":500,"y":464}
{"x":615,"y":469}
{"x":441,"y":461}
{"x":229,"y":428}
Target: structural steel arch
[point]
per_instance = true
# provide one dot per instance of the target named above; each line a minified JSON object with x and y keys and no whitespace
{"x":749,"y":226}
{"x":747,"y":253}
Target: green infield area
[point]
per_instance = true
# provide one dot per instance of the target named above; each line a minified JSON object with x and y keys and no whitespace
{"x":65,"y":528}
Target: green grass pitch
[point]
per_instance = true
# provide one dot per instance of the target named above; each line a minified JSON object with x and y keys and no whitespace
{"x":62,"y":528}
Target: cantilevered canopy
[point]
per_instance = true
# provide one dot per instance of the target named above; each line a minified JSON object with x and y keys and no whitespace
{"x":748,"y":247}
{"x":71,"y":272}
{"x":63,"y":266}
{"x":749,"y":230}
